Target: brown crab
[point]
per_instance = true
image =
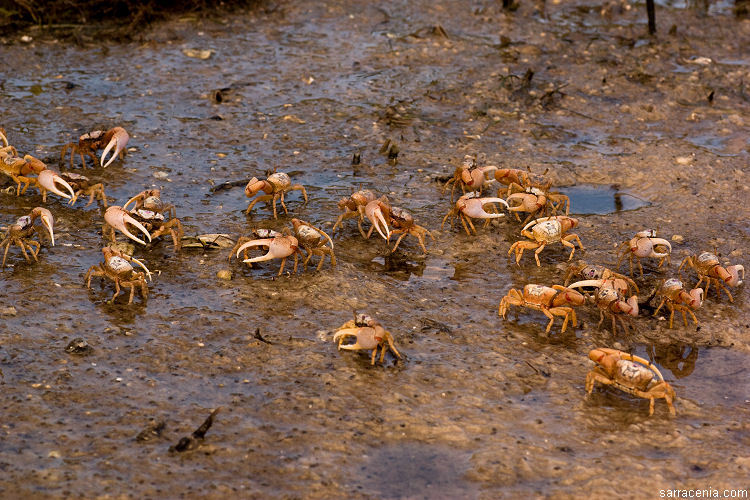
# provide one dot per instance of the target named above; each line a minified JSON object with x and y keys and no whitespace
{"x":21,"y":171}
{"x":368,"y":334}
{"x":354,"y":206}
{"x":274,"y":187}
{"x":469,"y":176}
{"x":82,"y":186}
{"x":313,"y":241}
{"x":545,"y":231}
{"x":708,"y":268}
{"x":552,"y":301}
{"x":610,"y":298}
{"x":21,"y":232}
{"x":403,"y":223}
{"x":631,"y":374}
{"x":90,"y":143}
{"x":116,"y":267}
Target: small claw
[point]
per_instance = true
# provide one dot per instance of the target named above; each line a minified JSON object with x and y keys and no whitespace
{"x":119,"y":140}
{"x":148,"y":273}
{"x":118,"y":218}
{"x":49,"y":180}
{"x":586,"y":283}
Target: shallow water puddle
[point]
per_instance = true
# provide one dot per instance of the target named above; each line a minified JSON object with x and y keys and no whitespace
{"x":587,"y":199}
{"x":416,"y":470}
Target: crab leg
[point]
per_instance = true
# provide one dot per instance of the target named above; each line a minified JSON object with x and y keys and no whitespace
{"x":119,"y":140}
{"x":118,"y":218}
{"x":49,"y":180}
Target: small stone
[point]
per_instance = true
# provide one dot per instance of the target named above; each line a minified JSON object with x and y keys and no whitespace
{"x":160,"y":174}
{"x":735,"y":253}
{"x":79,"y":346}
{"x":224,"y":274}
{"x":683,"y":160}
{"x":678,"y":238}
{"x":8,"y":311}
{"x":54,"y":454}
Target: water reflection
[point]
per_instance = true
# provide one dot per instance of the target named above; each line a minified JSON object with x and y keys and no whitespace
{"x":397,"y":265}
{"x":678,"y":358}
{"x":588,"y":199}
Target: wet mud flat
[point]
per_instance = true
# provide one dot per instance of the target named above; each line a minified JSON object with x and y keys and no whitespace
{"x":479,"y":407}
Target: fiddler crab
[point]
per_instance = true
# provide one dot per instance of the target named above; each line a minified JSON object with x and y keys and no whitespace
{"x":403,"y":223}
{"x":552,"y":301}
{"x":672,"y":293}
{"x":354,"y":206}
{"x":533,"y":188}
{"x":279,"y":245}
{"x":116,"y":267}
{"x":274,"y":187}
{"x":545,"y":231}
{"x":644,"y":244}
{"x":313,"y":241}
{"x":610,"y":298}
{"x":631,"y":374}
{"x":21,"y":232}
{"x":471,"y":206}
{"x":708,"y":268}
{"x":151,"y":211}
{"x":368,"y":333}
{"x":114,"y":139}
{"x":597,"y":272}
{"x":469,"y":176}
{"x":21,"y":171}
{"x":82,"y":186}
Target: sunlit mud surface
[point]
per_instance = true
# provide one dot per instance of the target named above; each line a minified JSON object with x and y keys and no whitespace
{"x":478,"y":406}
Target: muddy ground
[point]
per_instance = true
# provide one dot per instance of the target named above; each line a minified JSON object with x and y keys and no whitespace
{"x":478,"y":407}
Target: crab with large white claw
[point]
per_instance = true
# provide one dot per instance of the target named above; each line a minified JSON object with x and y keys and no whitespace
{"x":545,"y":231}
{"x":279,"y":246}
{"x":644,"y":244}
{"x":354,"y":206}
{"x":21,"y":232}
{"x":118,"y":218}
{"x":610,"y":298}
{"x":368,"y":334}
{"x":21,"y":170}
{"x":114,"y":140}
{"x":471,"y":206}
{"x":49,"y":180}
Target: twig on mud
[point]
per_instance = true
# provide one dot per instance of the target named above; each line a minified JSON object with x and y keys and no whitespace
{"x":260,"y":337}
{"x":227,"y":185}
{"x":194,"y":440}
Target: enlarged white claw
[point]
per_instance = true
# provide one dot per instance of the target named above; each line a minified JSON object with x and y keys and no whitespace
{"x":49,"y":179}
{"x":48,"y":221}
{"x":118,"y":218}
{"x":148,"y":273}
{"x":537,"y":221}
{"x":263,"y":242}
{"x":659,"y":241}
{"x":119,"y":140}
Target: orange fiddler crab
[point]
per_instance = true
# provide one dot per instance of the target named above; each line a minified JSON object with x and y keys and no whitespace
{"x":279,"y":245}
{"x":116,"y":267}
{"x":313,"y":241}
{"x":21,"y":232}
{"x":552,"y":301}
{"x":354,"y":206}
{"x":88,"y":144}
{"x":469,"y":176}
{"x":403,"y":223}
{"x":672,"y":293}
{"x":545,"y":231}
{"x":610,"y":298}
{"x":21,"y":171}
{"x":644,"y":244}
{"x":83,"y":186}
{"x":597,"y":272}
{"x":368,"y":334}
{"x":631,"y":374}
{"x":471,"y":206}
{"x":708,"y":268}
{"x":274,"y":187}
{"x":150,"y":211}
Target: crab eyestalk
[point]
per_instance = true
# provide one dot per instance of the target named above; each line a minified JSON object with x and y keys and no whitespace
{"x":118,"y":141}
{"x":47,"y":220}
{"x":119,"y":219}
{"x":49,"y":180}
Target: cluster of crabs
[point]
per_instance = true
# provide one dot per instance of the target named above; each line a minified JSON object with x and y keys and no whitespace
{"x":145,"y":217}
{"x":612,"y":293}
